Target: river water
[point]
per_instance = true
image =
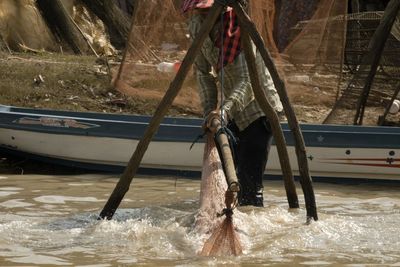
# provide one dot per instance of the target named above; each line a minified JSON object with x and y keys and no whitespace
{"x":51,"y":220}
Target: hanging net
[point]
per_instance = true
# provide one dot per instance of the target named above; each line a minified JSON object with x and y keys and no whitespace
{"x":317,"y":47}
{"x":360,"y":51}
{"x":158,"y":39}
{"x":312,"y":60}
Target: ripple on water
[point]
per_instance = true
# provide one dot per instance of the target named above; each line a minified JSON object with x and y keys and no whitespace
{"x":41,"y":260}
{"x":8,"y":191}
{"x":80,"y":184}
{"x":15,"y":203}
{"x":10,"y":188}
{"x":315,"y":263}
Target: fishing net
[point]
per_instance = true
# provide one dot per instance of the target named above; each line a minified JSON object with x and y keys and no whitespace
{"x":212,"y":189}
{"x":223,"y":240}
{"x":157,"y":40}
{"x":317,"y":46}
{"x":312,"y":61}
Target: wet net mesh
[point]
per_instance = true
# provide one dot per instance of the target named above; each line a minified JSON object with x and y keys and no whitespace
{"x":317,"y":46}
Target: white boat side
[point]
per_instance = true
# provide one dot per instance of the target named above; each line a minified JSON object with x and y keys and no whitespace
{"x":332,"y":162}
{"x":107,"y":141}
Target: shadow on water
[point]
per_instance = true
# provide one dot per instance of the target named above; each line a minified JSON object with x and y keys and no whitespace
{"x":20,"y":165}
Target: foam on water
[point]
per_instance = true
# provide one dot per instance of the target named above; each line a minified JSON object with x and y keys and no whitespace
{"x":162,"y":233}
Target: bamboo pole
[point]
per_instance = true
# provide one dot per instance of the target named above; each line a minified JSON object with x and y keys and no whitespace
{"x":269,"y":111}
{"x":125,"y":180}
{"x":126,"y":51}
{"x":226,"y":157}
{"x":305,"y":178}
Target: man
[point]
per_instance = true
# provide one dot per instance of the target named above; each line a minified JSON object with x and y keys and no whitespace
{"x":222,"y":54}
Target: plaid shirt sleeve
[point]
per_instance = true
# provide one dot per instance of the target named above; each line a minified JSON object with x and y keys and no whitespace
{"x":208,"y":91}
{"x":238,"y":91}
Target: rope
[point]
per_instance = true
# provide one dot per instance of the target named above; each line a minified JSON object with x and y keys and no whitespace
{"x":222,"y":115}
{"x":228,"y":211}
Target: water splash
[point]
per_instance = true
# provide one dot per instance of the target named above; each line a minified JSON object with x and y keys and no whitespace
{"x":356,"y":226}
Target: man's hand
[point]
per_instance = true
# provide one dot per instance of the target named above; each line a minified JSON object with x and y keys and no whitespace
{"x":213,"y":121}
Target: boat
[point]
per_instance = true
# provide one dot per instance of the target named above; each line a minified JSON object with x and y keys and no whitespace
{"x":105,"y":142}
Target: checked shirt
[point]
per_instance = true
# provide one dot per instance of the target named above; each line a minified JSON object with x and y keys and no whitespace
{"x":238,"y":102}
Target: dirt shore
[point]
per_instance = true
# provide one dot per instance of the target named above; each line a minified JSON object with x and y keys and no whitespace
{"x":83,"y":83}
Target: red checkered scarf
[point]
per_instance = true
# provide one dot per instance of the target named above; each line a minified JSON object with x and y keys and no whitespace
{"x":231,"y":41}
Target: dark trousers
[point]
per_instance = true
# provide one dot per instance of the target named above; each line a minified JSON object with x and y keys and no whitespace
{"x":252,"y":151}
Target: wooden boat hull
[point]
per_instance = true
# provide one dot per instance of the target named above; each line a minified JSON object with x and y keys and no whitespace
{"x":106,"y":142}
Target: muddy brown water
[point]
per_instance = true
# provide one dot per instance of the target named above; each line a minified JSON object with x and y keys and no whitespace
{"x":51,"y":221}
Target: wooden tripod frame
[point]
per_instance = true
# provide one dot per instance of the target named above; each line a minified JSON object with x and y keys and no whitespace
{"x":249,"y":29}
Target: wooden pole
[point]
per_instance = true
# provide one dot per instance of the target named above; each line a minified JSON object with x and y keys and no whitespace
{"x":128,"y":46}
{"x":226,"y":157}
{"x":269,"y":111}
{"x":305,"y":178}
{"x":375,"y":50}
{"x":125,"y":180}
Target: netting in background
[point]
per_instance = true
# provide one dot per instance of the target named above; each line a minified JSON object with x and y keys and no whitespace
{"x":312,"y":62}
{"x":158,"y":35}
{"x":290,"y":13}
{"x":361,"y":28}
{"x":263,"y":14}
